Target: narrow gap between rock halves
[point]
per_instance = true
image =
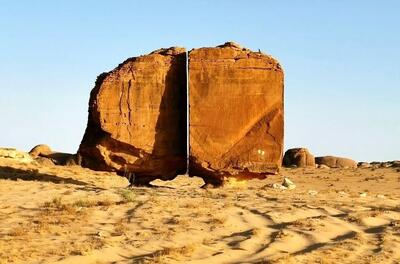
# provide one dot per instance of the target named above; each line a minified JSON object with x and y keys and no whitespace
{"x":187,"y":114}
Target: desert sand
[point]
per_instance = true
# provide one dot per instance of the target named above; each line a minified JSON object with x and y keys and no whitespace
{"x":56,"y":214}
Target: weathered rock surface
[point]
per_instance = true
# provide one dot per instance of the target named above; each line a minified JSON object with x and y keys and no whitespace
{"x":44,"y":155}
{"x":16,"y":155}
{"x":299,"y":157}
{"x":44,"y":161}
{"x":137,"y":118}
{"x":363,"y":165}
{"x":336,"y":162}
{"x":41,"y":150}
{"x":384,"y":164}
{"x":236,"y":113}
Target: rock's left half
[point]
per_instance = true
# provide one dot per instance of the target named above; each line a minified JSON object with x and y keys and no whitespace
{"x":137,"y":118}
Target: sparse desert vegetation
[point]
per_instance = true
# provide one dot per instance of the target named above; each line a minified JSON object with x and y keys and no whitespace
{"x":74,"y":215}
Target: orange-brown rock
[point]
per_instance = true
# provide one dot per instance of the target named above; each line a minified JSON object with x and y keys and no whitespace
{"x":137,"y":118}
{"x":299,"y":157}
{"x":44,"y":155}
{"x":336,"y":162}
{"x":236,"y":113}
{"x":40,"y":150}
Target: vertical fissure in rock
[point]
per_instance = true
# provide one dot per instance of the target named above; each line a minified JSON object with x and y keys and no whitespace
{"x":223,"y":97}
{"x":187,"y":113}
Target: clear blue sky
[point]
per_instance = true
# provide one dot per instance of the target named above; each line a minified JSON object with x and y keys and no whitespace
{"x":341,"y":61}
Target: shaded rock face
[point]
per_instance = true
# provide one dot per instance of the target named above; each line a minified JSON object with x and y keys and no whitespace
{"x":299,"y":157}
{"x":336,"y":162}
{"x":137,"y":118}
{"x":236,"y":113}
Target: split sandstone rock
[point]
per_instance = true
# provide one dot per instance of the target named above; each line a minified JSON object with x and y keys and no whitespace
{"x":236,"y":113}
{"x":137,"y":118}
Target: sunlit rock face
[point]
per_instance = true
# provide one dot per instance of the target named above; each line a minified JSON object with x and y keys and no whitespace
{"x":236,"y":113}
{"x":137,"y":118}
{"x":336,"y":162}
{"x":299,"y":157}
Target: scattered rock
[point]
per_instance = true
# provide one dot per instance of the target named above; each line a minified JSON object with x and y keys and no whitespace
{"x":336,"y":162}
{"x":45,"y":156}
{"x":236,"y":113}
{"x":278,"y":186}
{"x":299,"y":157}
{"x":16,"y":155}
{"x":363,"y":165}
{"x":137,"y":118}
{"x":386,"y":164}
{"x":322,"y":166}
{"x":288,"y":183}
{"x":312,"y":192}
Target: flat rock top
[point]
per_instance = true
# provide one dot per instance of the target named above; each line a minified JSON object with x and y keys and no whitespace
{"x":231,"y":51}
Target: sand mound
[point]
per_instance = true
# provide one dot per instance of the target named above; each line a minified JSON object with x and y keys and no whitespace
{"x":61,"y":214}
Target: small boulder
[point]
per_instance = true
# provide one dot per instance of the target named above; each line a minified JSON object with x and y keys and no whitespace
{"x":322,"y":166}
{"x":299,"y":157}
{"x":41,"y":150}
{"x":363,"y":165}
{"x":336,"y":162}
{"x":396,"y":164}
{"x":51,"y":157}
{"x":288,"y":184}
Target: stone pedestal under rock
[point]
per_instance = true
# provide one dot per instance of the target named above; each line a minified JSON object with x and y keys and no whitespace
{"x":137,"y":118}
{"x":236,"y":113}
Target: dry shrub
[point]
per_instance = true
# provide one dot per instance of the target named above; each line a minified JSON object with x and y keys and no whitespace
{"x":17,"y":231}
{"x":92,"y":203}
{"x":120,"y":228}
{"x":92,"y":243}
{"x":162,"y":256}
{"x":128,"y":196}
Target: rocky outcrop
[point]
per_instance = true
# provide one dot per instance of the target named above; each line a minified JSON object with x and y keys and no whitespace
{"x":379,"y":164}
{"x":137,"y":118}
{"x":236,"y":113}
{"x":336,"y":162}
{"x":298,"y":157}
{"x":15,"y":155}
{"x":44,"y":155}
{"x":41,"y":150}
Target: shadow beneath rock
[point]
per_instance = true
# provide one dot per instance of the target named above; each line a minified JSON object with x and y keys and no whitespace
{"x":10,"y":173}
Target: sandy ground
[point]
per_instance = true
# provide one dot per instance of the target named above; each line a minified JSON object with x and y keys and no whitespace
{"x":72,"y":215}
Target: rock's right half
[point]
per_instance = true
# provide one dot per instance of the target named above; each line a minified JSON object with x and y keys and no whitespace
{"x":236,"y":113}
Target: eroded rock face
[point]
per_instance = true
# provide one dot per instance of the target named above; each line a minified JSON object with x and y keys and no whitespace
{"x":137,"y":118}
{"x":336,"y":162}
{"x":236,"y":113}
{"x":299,"y":157}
